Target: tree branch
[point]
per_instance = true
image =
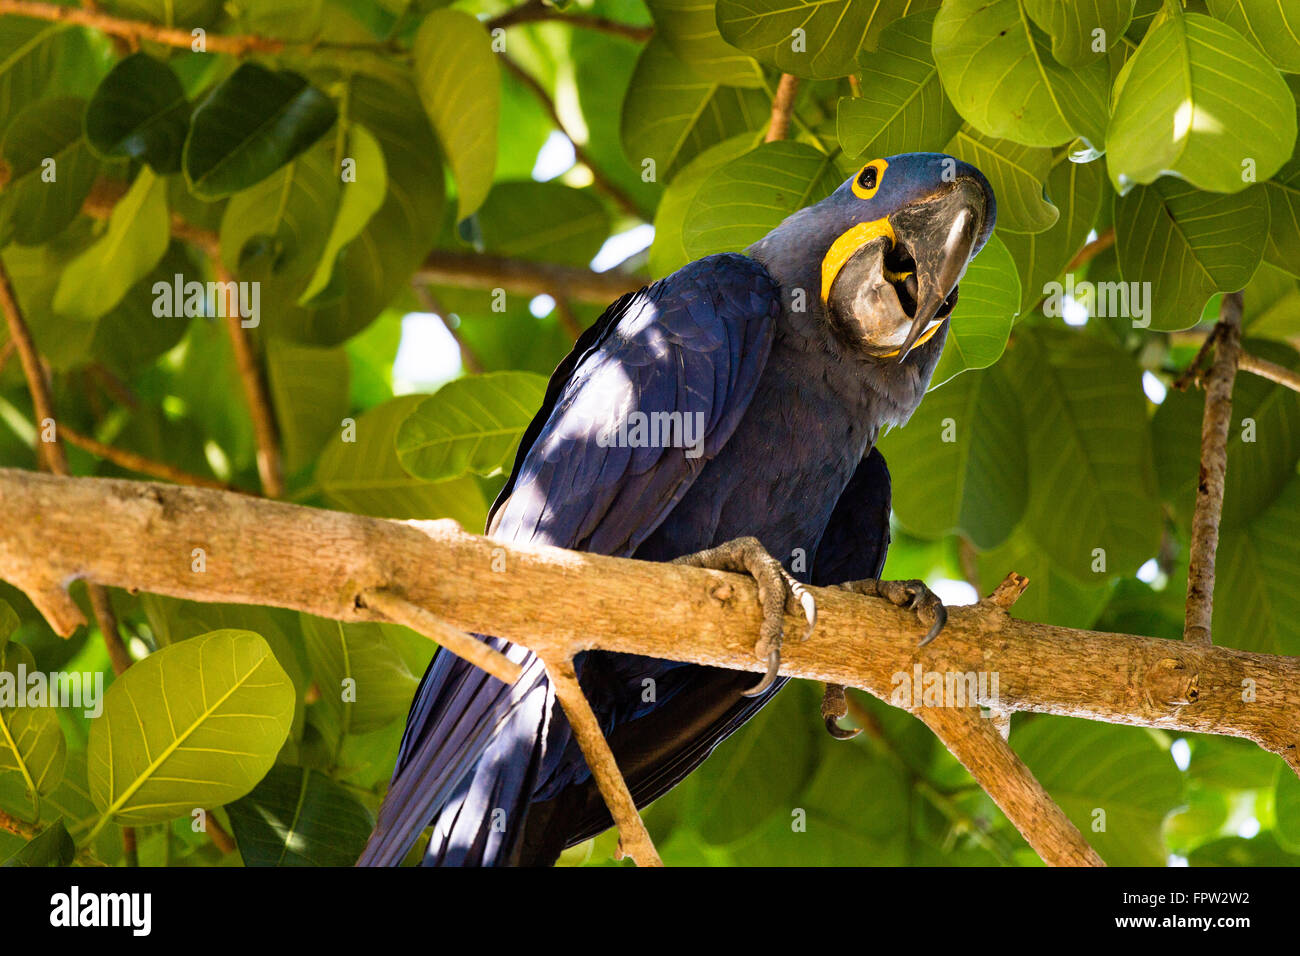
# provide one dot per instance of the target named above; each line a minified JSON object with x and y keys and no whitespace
{"x":1269,"y":370}
{"x":782,"y":108}
{"x":1214,"y":463}
{"x":139,"y":463}
{"x":558,"y":603}
{"x":534,"y":11}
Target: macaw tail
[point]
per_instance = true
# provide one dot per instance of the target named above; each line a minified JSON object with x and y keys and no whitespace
{"x":467,"y":764}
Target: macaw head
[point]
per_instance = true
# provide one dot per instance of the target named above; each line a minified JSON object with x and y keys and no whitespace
{"x":883,"y":254}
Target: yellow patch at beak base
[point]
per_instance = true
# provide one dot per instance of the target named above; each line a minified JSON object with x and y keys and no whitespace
{"x":843,"y":248}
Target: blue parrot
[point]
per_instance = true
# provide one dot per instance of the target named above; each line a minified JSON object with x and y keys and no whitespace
{"x":724,"y":416}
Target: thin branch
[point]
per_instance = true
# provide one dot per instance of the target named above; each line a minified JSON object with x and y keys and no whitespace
{"x":534,"y":11}
{"x":1269,"y":370}
{"x":430,"y":303}
{"x":1214,"y":463}
{"x":139,"y":463}
{"x":182,"y":37}
{"x":633,"y":839}
{"x":599,"y":179}
{"x":975,"y":741}
{"x":265,"y":432}
{"x":568,"y":319}
{"x":782,"y":108}
{"x":1105,"y":239}
{"x":400,"y":611}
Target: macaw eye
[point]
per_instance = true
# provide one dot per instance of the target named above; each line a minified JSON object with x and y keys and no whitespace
{"x":867,"y":181}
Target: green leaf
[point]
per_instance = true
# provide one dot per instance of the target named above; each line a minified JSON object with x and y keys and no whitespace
{"x":987,"y":301}
{"x":690,"y":28}
{"x":44,"y":141}
{"x":470,"y":425}
{"x":136,"y":238}
{"x":193,"y":725}
{"x":815,"y":39}
{"x":362,"y":196}
{"x":309,"y":390}
{"x":298,"y":817}
{"x":250,"y":125}
{"x":459,"y":83}
{"x":1286,"y":802}
{"x":959,"y":464}
{"x":671,"y":115}
{"x":903,"y":108}
{"x":1052,"y":597}
{"x":362,"y":678}
{"x":53,"y":846}
{"x":1188,"y":245}
{"x":1016,"y":173}
{"x":1283,"y":191}
{"x":747,"y":197}
{"x":1116,"y":783}
{"x":1072,"y":26}
{"x":1272,"y":25}
{"x":37,"y":58}
{"x":1178,"y":110}
{"x":546,"y":222}
{"x":668,"y":254}
{"x":1002,"y":78}
{"x":139,"y":112}
{"x":1089,"y":446}
{"x":1076,"y":189}
{"x":366,"y":477}
{"x":31,"y":740}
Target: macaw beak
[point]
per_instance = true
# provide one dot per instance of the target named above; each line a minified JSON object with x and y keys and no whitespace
{"x":939,"y":235}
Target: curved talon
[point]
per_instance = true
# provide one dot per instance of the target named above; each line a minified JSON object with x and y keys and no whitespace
{"x":841,"y":733}
{"x":773,"y":669}
{"x":940,"y":619}
{"x":809,"y":606}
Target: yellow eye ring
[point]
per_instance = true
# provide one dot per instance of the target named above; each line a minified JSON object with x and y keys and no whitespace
{"x":869,"y":178}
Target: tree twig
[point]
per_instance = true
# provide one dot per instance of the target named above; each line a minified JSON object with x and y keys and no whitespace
{"x":633,"y":839}
{"x":139,"y":463}
{"x":1269,"y":370}
{"x":1105,"y":239}
{"x":1214,"y":462}
{"x":534,"y":11}
{"x":782,"y":108}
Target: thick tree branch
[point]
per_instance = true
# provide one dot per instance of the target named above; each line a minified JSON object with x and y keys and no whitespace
{"x":1214,"y":462}
{"x":139,"y":535}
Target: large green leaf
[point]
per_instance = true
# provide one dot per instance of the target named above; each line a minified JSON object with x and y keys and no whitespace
{"x":365,"y":475}
{"x":193,"y":725}
{"x":1052,"y":597}
{"x":548,"y":222}
{"x":38,"y":58}
{"x":135,"y":240}
{"x":470,"y":426}
{"x":299,"y":817}
{"x":817,"y":39}
{"x":988,"y":298}
{"x":1091,"y":473}
{"x":1074,"y":26}
{"x":1016,"y":173}
{"x":53,"y":846}
{"x":671,"y":114}
{"x":139,"y":112}
{"x":690,"y":28}
{"x":1272,"y":25}
{"x":254,"y":122}
{"x":903,"y":108}
{"x":309,"y":389}
{"x":1179,"y":109}
{"x":1002,"y":78}
{"x":747,"y":197}
{"x":1116,"y":783}
{"x":959,"y":464}
{"x":32,"y":745}
{"x":1076,"y":189}
{"x":50,"y":171}
{"x":362,"y":678}
{"x":459,"y":82}
{"x":1188,"y":245}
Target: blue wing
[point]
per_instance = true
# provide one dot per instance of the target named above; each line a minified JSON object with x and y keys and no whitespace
{"x":702,"y":706}
{"x":692,"y":343}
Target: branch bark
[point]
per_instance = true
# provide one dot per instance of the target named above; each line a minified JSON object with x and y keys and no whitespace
{"x":139,"y":535}
{"x":1269,"y":370}
{"x":782,"y":108}
{"x":534,"y":11}
{"x":1214,"y":463}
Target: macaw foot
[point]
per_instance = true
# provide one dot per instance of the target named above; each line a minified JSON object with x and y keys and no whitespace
{"x":776,"y":589}
{"x":910,"y":594}
{"x":834,"y":706}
